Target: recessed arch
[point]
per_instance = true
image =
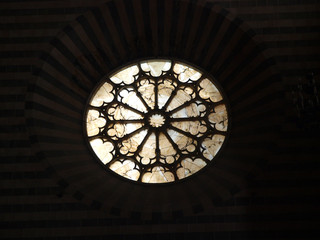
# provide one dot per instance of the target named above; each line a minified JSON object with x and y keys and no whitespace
{"x":92,"y":47}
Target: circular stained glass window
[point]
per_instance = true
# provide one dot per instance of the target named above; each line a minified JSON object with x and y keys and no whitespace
{"x":156,"y":121}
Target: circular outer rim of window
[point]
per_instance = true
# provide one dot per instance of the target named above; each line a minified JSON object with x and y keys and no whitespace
{"x":156,"y":121}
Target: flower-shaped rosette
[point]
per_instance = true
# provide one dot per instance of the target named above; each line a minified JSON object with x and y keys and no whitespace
{"x":156,"y":121}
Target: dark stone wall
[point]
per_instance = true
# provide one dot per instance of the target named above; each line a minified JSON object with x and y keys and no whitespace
{"x":265,"y":184}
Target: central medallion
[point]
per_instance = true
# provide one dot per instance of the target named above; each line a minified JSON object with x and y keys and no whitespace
{"x":156,"y":120}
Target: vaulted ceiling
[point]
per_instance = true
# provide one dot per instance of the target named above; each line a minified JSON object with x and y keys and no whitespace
{"x":263,"y":185}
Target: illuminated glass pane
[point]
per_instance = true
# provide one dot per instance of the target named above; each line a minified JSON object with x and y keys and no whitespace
{"x":146,"y":89}
{"x":155,"y":67}
{"x":165,"y":89}
{"x":104,"y":94}
{"x":212,"y":145}
{"x":126,"y":169}
{"x":191,"y":110}
{"x":167,"y":151}
{"x":185,"y":144}
{"x":119,"y":130}
{"x":158,"y":123}
{"x":190,"y":167}
{"x":186,"y":73}
{"x":94,"y":122}
{"x":130,"y":145}
{"x":125,"y":76}
{"x":209,"y":91}
{"x":158,"y":175}
{"x":197,"y":128}
{"x":102,"y":149}
{"x":129,"y":96}
{"x":148,"y":150}
{"x":183,"y":95}
{"x":219,"y":118}
{"x":119,"y":112}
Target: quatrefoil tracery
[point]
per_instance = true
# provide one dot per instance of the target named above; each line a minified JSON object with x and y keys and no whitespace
{"x":157,"y":121}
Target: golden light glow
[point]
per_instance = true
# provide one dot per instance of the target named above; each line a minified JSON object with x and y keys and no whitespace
{"x":156,"y":121}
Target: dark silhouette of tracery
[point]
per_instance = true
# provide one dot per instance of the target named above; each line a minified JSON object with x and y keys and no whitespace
{"x":158,"y":126}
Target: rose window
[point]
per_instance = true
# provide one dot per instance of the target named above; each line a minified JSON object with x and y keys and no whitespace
{"x":156,"y":121}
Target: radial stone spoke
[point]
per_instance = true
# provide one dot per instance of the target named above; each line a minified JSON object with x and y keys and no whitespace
{"x":142,"y":144}
{"x":141,"y":98}
{"x":124,"y":121}
{"x":175,"y":146}
{"x":131,"y":108}
{"x":173,"y":94}
{"x":186,"y":104}
{"x":182,"y":132}
{"x":157,"y":147}
{"x":156,"y":105}
{"x":187,"y":119}
{"x":159,"y":118}
{"x":133,"y":133}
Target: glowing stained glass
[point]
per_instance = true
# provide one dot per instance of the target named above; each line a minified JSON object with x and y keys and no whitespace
{"x":94,"y":122}
{"x":208,"y":91}
{"x":190,"y":166}
{"x":125,"y":76}
{"x":126,"y":169}
{"x":156,"y":121}
{"x":158,"y":175}
{"x":104,"y":94}
{"x":186,"y":73}
{"x":155,"y":68}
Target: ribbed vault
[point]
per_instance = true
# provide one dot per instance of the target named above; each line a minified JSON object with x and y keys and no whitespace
{"x":114,"y":34}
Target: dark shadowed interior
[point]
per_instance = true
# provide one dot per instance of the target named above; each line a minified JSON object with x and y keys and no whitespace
{"x":263,"y":184}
